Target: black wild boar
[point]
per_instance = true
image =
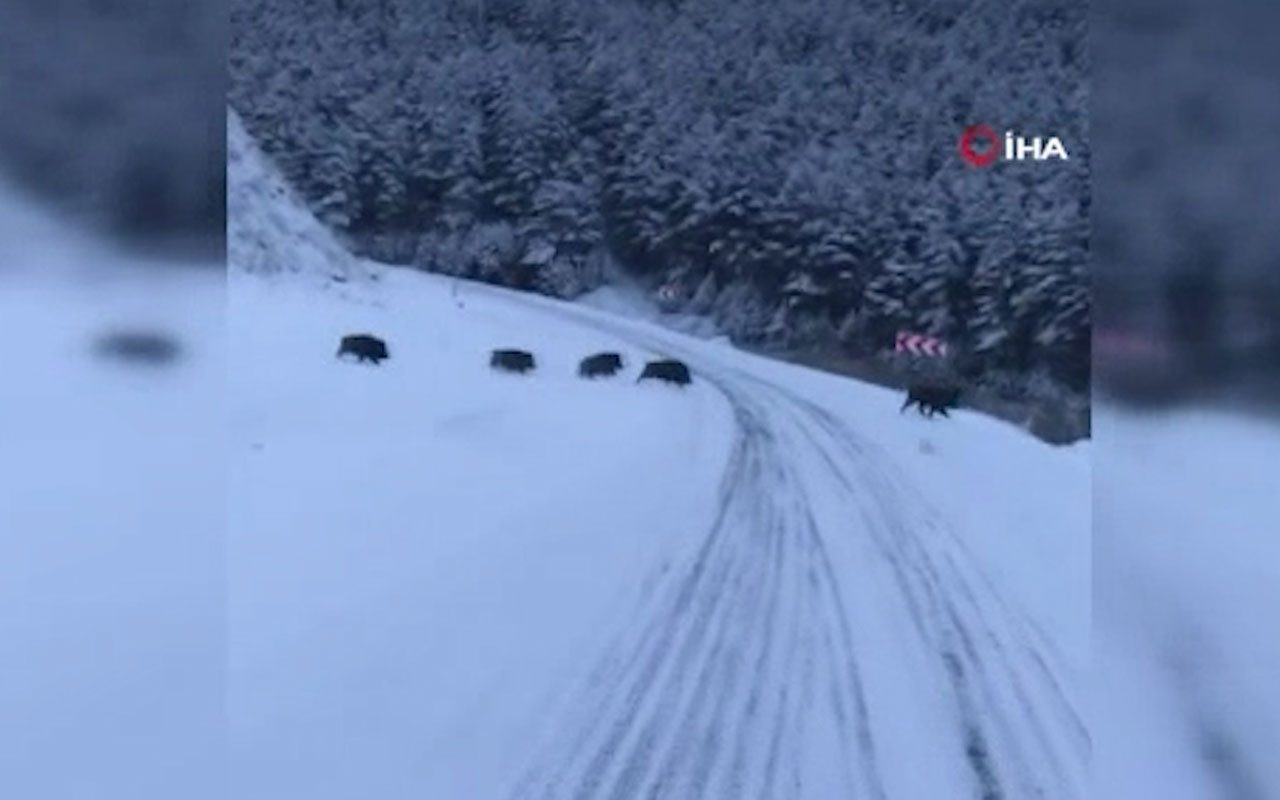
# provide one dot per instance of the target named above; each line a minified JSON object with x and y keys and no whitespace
{"x":600,"y":364}
{"x":139,"y":347}
{"x":931,"y":399}
{"x":667,"y":369}
{"x":512,"y":360}
{"x":364,"y":347}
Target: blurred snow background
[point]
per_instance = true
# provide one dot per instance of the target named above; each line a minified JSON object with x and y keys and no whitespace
{"x":1187,"y":364}
{"x":112,"y":466}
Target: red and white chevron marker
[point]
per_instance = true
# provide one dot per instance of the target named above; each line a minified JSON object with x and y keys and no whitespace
{"x":919,"y":344}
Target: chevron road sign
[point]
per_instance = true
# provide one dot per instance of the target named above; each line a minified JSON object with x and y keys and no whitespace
{"x":919,"y":344}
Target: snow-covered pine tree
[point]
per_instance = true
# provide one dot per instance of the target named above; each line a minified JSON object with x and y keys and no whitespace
{"x":704,"y":296}
{"x":739,"y":143}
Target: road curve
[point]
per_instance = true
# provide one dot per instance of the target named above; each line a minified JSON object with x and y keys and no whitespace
{"x":828,"y":638}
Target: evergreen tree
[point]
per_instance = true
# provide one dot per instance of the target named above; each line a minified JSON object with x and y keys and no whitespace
{"x":732,"y":148}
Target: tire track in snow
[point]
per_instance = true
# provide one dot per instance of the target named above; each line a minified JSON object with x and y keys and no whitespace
{"x":745,"y":661}
{"x":671,"y":631}
{"x":708,"y":702}
{"x":988,"y":654}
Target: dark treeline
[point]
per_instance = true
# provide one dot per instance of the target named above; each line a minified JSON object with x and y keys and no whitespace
{"x":114,"y":112}
{"x":1186,"y":245}
{"x":789,"y":169}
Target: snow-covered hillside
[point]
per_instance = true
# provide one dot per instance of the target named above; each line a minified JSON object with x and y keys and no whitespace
{"x":266,"y":236}
{"x":450,"y":582}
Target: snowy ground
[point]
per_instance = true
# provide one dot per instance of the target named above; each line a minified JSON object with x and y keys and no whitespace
{"x":451,"y":582}
{"x":1187,"y":583}
{"x":111,"y":523}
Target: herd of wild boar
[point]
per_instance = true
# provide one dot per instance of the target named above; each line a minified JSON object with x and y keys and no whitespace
{"x":367,"y":347}
{"x":929,"y":399}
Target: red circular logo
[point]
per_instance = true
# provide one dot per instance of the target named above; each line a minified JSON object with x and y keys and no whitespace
{"x":980,"y":132}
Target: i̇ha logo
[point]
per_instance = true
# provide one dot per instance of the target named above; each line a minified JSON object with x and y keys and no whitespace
{"x":980,"y":147}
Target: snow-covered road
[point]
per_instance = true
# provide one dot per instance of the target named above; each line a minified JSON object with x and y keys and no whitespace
{"x":828,"y":637}
{"x":772,"y":606}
